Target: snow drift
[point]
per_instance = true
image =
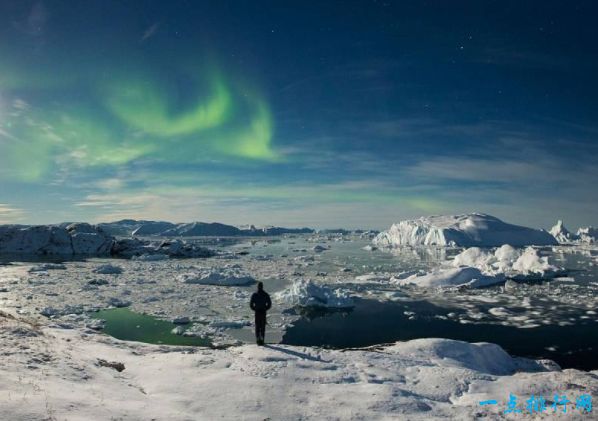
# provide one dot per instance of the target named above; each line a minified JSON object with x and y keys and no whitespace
{"x":475,"y":229}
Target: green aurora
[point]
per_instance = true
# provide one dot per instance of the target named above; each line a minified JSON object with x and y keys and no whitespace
{"x":111,"y":122}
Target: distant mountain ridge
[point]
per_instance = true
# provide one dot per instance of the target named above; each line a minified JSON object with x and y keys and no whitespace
{"x":131,"y":227}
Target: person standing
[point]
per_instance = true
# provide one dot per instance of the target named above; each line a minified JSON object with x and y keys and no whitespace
{"x":260,"y":303}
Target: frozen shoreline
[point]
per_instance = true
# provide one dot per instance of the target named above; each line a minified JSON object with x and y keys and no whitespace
{"x":56,"y":373}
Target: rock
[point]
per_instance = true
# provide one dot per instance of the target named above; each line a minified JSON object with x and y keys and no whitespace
{"x":98,"y":282}
{"x":111,"y":364}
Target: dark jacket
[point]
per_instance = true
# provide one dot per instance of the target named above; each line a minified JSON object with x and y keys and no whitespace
{"x":260,"y":301}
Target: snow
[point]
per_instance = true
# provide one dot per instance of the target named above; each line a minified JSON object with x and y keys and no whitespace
{"x":309,"y":294}
{"x":153,"y":228}
{"x":467,"y":230}
{"x":221,"y":277}
{"x":60,"y":376}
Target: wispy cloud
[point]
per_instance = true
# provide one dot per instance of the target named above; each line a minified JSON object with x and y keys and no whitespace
{"x":150,"y":32}
{"x":10,"y":214}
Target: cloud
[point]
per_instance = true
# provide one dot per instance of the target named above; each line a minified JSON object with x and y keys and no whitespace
{"x":149,"y":32}
{"x":10,"y":214}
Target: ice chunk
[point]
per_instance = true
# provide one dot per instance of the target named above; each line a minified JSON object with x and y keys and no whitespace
{"x":562,"y":234}
{"x":319,"y":248}
{"x":588,"y":235}
{"x":309,"y":294}
{"x":108,"y":269}
{"x":462,"y":276}
{"x":531,"y":266}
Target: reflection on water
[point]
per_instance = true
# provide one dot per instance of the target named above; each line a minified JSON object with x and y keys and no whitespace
{"x":127,"y":325}
{"x":373,"y":322}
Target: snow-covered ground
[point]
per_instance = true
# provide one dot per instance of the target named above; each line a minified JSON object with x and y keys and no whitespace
{"x":50,"y":373}
{"x":413,"y":380}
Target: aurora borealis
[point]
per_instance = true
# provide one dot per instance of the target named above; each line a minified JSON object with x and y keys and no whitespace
{"x":352,"y":113}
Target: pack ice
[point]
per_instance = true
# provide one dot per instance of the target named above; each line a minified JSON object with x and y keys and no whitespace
{"x":468,"y":230}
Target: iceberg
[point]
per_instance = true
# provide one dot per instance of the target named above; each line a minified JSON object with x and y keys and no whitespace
{"x":219,"y":277}
{"x":453,"y":277}
{"x":588,"y":235}
{"x":475,"y":229}
{"x":476,"y":268}
{"x":309,"y":294}
{"x":562,"y":234}
{"x":55,"y":240}
{"x":584,"y":235}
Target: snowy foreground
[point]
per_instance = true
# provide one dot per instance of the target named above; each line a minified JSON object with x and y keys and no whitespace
{"x":50,"y":373}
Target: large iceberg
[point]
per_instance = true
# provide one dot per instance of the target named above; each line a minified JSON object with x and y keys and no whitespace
{"x":82,"y":239}
{"x":475,"y":229}
{"x":55,"y":240}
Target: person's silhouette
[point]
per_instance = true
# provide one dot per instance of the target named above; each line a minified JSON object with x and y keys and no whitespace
{"x":260,"y":303}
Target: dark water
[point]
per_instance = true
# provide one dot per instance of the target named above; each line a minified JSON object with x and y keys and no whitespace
{"x":127,"y":325}
{"x":372,"y":322}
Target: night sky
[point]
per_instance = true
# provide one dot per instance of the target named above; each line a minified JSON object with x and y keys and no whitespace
{"x":322,"y":114}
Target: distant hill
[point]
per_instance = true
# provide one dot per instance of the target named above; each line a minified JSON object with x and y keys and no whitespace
{"x":142,"y":228}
